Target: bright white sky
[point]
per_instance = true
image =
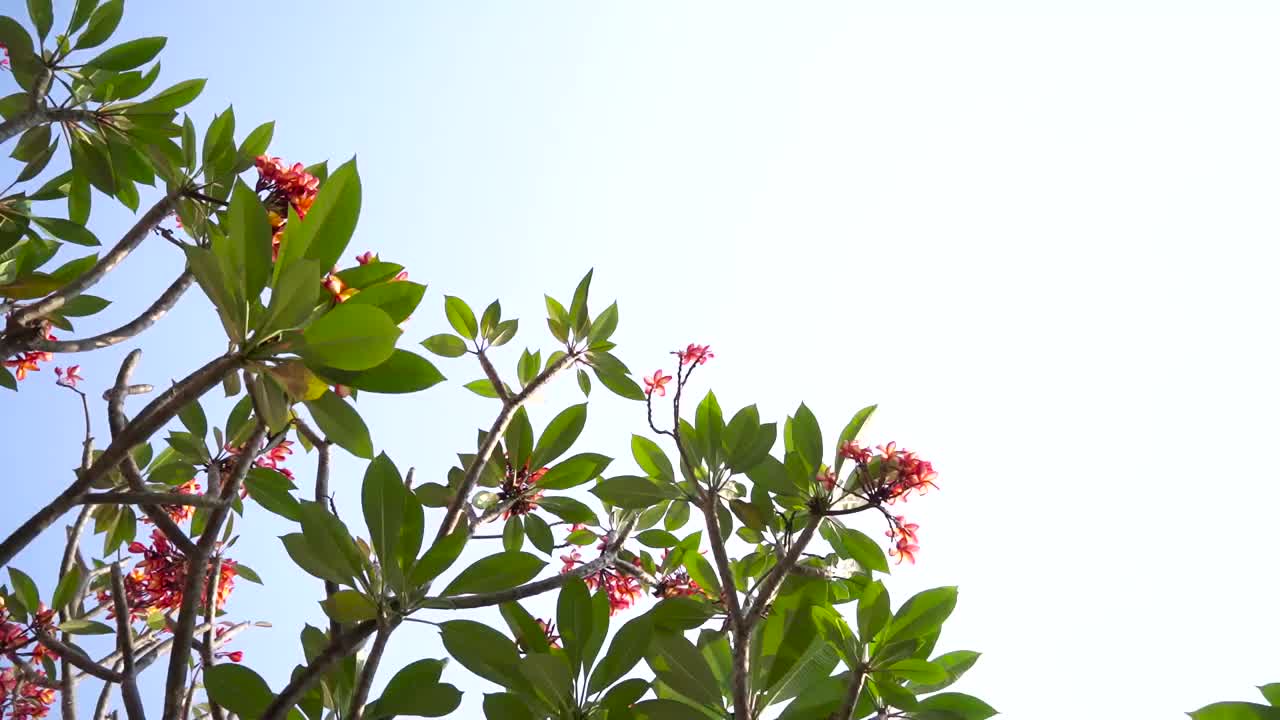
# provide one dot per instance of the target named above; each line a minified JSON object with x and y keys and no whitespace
{"x":1043,"y":242}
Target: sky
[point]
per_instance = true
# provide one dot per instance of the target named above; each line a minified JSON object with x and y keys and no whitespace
{"x":1038,"y":235}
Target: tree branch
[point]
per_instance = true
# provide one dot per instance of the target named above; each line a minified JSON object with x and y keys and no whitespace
{"x":42,"y":116}
{"x":105,"y":264}
{"x":492,"y":374}
{"x":361,"y":694}
{"x":323,"y":460}
{"x":206,"y":648}
{"x":148,"y":498}
{"x":198,"y":573}
{"x":77,"y":657}
{"x":152,"y":418}
{"x":773,"y":580}
{"x":131,"y":329}
{"x":124,"y":643}
{"x":851,"y":697}
{"x":459,"y":503}
{"x":339,"y":647}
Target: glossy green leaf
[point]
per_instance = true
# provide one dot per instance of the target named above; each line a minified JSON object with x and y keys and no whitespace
{"x":102,"y":23}
{"x":854,"y":544}
{"x":349,"y":606}
{"x":506,"y":706}
{"x":272,"y":491}
{"x":574,"y":471}
{"x":248,"y":242}
{"x":539,"y":533}
{"x":873,"y":610}
{"x":482,"y":387}
{"x":350,"y":337}
{"x":633,"y":492}
{"x":342,"y":424}
{"x":81,"y":626}
{"x":681,"y":613}
{"x":550,"y":678}
{"x":484,"y":651}
{"x":677,"y":663}
{"x":569,"y":510}
{"x":403,"y":372}
{"x":329,"y":539}
{"x":559,"y":436}
{"x":25,"y":588}
{"x":657,"y":539}
{"x":84,"y":305}
{"x":330,"y":222}
{"x":67,"y":230}
{"x":416,"y":690}
{"x":971,"y":708}
{"x":383,"y":499}
{"x":66,"y":589}
{"x":446,"y":345}
{"x":461,"y":317}
{"x":922,"y":614}
{"x":954,"y":664}
{"x":439,"y":557}
{"x":397,"y":299}
{"x":293,"y":297}
{"x":573,"y":616}
{"x":496,"y":572}
{"x":238,"y":689}
{"x":627,"y":648}
{"x":651,"y":458}
{"x":129,"y":55}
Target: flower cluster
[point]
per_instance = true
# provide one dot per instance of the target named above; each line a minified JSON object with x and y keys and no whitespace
{"x":272,"y":459}
{"x":23,"y":698}
{"x":180,"y":513}
{"x":882,"y":477}
{"x":286,"y":186}
{"x":29,"y":362}
{"x":903,"y":535}
{"x":17,"y":638}
{"x":158,"y":581}
{"x":695,"y":354}
{"x":622,"y":590}
{"x":233,"y":655}
{"x":677,"y":584}
{"x":339,"y":290}
{"x":518,"y":490}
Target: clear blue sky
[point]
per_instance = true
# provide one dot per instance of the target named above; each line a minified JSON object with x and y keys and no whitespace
{"x":1044,"y":242}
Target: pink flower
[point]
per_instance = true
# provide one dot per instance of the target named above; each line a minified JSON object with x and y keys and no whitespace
{"x":905,"y":550}
{"x":71,"y":377}
{"x":656,"y":383}
{"x":695,"y":354}
{"x":366,"y":257}
{"x":342,"y":391}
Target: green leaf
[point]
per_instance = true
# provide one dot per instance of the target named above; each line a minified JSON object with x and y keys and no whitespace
{"x":527,"y":368}
{"x":67,"y":230}
{"x":256,"y":142}
{"x":604,"y":325}
{"x":215,"y":285}
{"x":170,"y":99}
{"x":329,"y":539}
{"x":482,"y":387}
{"x":922,"y":614}
{"x":349,"y":606}
{"x":539,"y":533}
{"x":573,"y":615}
{"x":25,"y":588}
{"x":622,"y":696}
{"x":850,"y":543}
{"x":620,"y":385}
{"x":416,"y":690}
{"x":496,"y":572}
{"x":330,"y":222}
{"x":446,"y":345}
{"x":293,"y":298}
{"x":397,"y":299}
{"x":383,"y":499}
{"x":439,"y":557}
{"x":652,"y":459}
{"x":557,"y":319}
{"x":129,"y":55}
{"x":80,"y":15}
{"x":32,"y":143}
{"x":67,"y":586}
{"x":342,"y":424}
{"x":193,"y":418}
{"x":955,"y":664}
{"x":807,"y":436}
{"x":969,"y":707}
{"x":681,"y":613}
{"x":569,"y":510}
{"x":677,"y":663}
{"x":41,"y":12}
{"x":460,"y":316}
{"x":579,"y":316}
{"x":574,"y":471}
{"x":632,"y":492}
{"x":313,"y":562}
{"x":350,"y":337}
{"x":917,"y":670}
{"x":101,"y":25}
{"x":513,"y":534}
{"x":272,"y":491}
{"x":484,"y":651}
{"x":506,"y":706}
{"x":657,"y":539}
{"x":666,"y":709}
{"x":85,"y":627}
{"x":403,"y":372}
{"x":248,"y":573}
{"x":873,"y":610}
{"x":710,"y":426}
{"x":560,"y":435}
{"x":701,"y":572}
{"x":1271,"y":692}
{"x":628,"y":647}
{"x":550,"y":679}
{"x":83,"y":306}
{"x":38,"y":163}
{"x":248,"y":242}
{"x":677,"y":516}
{"x":238,"y":689}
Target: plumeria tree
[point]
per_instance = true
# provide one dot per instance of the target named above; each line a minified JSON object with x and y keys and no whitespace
{"x":734,"y":572}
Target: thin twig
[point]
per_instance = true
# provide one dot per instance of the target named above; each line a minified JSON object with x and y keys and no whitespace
{"x":365,"y":682}
{"x":457,"y":506}
{"x":206,"y":648}
{"x":133,"y":328}
{"x":77,"y":657}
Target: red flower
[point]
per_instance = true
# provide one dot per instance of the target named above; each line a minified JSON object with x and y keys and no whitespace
{"x":158,"y":581}
{"x":285,"y":187}
{"x":827,"y":479}
{"x":234,"y":656}
{"x":571,"y":561}
{"x":902,"y":529}
{"x":366,"y":257}
{"x":893,"y":474}
{"x":695,"y":354}
{"x":337,"y":288}
{"x":904,"y":550}
{"x":402,"y":275}
{"x":27,"y":363}
{"x":71,"y":378}
{"x":342,"y":391}
{"x":656,"y":383}
{"x":178,"y":513}
{"x":677,"y":584}
{"x":853,"y":451}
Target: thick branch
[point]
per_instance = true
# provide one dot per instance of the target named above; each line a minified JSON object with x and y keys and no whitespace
{"x":149,"y":498}
{"x":339,"y":647}
{"x":105,"y":264}
{"x":124,"y":643}
{"x":198,"y":573}
{"x":459,"y":503}
{"x":158,"y":309}
{"x":741,"y":679}
{"x":42,"y":116}
{"x":491,"y":373}
{"x":206,"y":648}
{"x":152,"y":418}
{"x":773,"y":580}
